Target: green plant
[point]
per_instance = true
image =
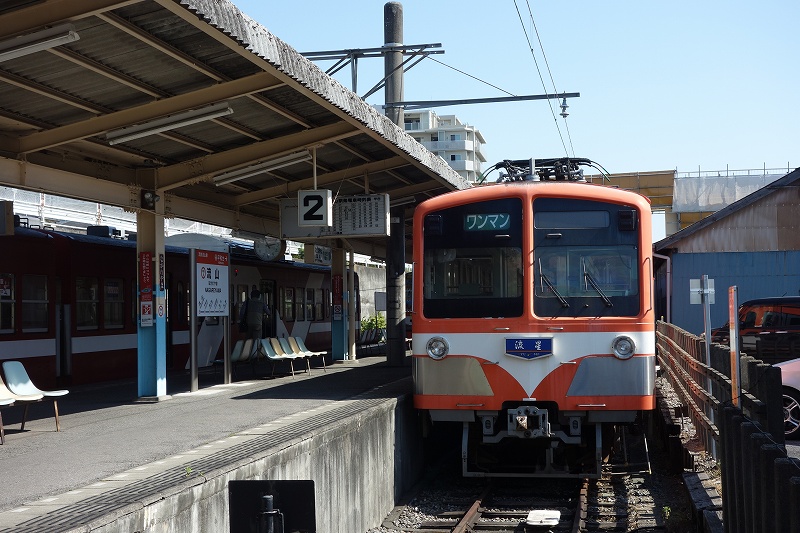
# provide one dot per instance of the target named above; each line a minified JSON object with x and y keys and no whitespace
{"x":373,"y":322}
{"x":190,"y":472}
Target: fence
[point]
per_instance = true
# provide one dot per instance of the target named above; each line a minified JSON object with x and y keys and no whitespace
{"x":760,"y":485}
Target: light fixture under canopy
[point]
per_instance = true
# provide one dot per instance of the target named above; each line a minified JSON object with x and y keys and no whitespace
{"x":260,"y":168}
{"x":169,"y":122}
{"x":38,"y":41}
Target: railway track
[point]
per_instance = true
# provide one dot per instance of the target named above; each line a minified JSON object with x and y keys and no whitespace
{"x":622,"y":500}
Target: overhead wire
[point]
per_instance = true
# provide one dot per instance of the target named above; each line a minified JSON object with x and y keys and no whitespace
{"x":541,"y":78}
{"x":471,"y":76}
{"x":549,"y":72}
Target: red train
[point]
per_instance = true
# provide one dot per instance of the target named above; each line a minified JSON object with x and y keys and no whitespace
{"x":69,"y":307}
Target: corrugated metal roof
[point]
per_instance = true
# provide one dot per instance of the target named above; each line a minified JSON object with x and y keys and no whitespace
{"x":742,"y":226}
{"x":139,"y":60}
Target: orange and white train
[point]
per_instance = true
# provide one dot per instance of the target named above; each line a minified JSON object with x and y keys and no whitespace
{"x":533,"y":319}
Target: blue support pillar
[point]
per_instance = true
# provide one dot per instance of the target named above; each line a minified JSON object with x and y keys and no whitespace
{"x":151,"y":317}
{"x":339,"y":344}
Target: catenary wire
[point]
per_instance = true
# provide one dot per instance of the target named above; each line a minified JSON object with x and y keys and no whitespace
{"x":541,"y":78}
{"x":549,"y":72}
{"x":471,"y":76}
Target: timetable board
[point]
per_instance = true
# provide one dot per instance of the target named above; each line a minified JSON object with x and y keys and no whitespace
{"x":363,"y":215}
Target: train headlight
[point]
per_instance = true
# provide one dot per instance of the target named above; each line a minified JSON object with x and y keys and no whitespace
{"x":437,"y":348}
{"x":623,"y":347}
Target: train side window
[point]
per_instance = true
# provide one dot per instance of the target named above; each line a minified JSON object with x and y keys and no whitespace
{"x":318,"y":305}
{"x":7,"y":301}
{"x":300,"y":309}
{"x":34,"y":303}
{"x":113,"y":304}
{"x":287,"y":303}
{"x":310,"y":305}
{"x":86,"y":302}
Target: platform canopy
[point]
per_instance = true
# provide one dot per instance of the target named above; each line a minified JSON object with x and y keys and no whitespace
{"x":195,"y":101}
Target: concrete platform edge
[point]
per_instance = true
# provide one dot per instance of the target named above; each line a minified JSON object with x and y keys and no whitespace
{"x":360,"y":464}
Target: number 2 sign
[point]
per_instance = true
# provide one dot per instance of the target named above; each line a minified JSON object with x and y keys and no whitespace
{"x":314,"y":208}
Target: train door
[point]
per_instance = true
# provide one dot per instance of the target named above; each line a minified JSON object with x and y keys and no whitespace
{"x":267,"y":288}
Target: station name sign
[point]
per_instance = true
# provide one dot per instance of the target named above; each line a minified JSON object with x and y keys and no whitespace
{"x":212,"y":283}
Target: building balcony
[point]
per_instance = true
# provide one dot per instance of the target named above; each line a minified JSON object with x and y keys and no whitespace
{"x":468,"y":166}
{"x":452,"y":146}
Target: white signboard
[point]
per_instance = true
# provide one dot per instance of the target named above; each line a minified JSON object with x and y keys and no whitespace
{"x":380,"y":301}
{"x":322,"y":255}
{"x":365,"y":215}
{"x":315,"y":208}
{"x":696,"y":291}
{"x":212,"y":283}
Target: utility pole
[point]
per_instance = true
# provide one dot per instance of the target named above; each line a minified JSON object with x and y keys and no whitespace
{"x":395,"y":245}
{"x":393,"y":36}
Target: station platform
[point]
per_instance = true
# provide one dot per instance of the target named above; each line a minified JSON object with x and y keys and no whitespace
{"x":115,"y":453}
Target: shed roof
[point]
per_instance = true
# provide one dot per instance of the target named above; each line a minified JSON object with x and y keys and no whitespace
{"x":791,"y":180}
{"x":136,"y":61}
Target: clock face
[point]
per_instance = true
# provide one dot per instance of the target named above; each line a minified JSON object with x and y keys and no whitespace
{"x":269,"y":248}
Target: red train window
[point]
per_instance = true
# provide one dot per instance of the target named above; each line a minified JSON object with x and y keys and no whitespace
{"x":7,"y":300}
{"x":86,"y":302}
{"x":34,"y":302}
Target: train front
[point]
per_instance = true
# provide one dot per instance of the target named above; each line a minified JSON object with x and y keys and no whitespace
{"x":533,"y":323}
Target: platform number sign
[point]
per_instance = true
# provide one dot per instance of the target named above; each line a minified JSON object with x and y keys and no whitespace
{"x":314,"y":208}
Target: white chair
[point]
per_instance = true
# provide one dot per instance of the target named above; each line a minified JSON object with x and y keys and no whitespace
{"x":281,"y":347}
{"x":20,"y":389}
{"x":274,"y":357}
{"x":4,"y":402}
{"x":301,"y":348}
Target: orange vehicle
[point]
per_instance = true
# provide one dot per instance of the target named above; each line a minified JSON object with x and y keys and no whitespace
{"x":533,"y":320}
{"x":769,"y":329}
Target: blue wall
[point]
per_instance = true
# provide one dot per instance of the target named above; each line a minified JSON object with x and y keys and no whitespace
{"x":756,"y":274}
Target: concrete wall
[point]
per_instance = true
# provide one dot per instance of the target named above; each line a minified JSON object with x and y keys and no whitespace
{"x":370,"y":281}
{"x":360,"y":467}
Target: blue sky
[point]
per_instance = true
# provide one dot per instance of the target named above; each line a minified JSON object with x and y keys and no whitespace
{"x":664,"y":85}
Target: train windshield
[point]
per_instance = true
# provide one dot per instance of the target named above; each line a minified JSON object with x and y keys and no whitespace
{"x":473,"y":261}
{"x":586,"y":259}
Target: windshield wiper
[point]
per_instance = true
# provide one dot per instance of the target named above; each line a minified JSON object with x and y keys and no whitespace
{"x":564,"y":302}
{"x":596,"y":287}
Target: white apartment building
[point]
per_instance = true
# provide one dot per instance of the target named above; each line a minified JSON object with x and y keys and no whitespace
{"x":457,"y":143}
